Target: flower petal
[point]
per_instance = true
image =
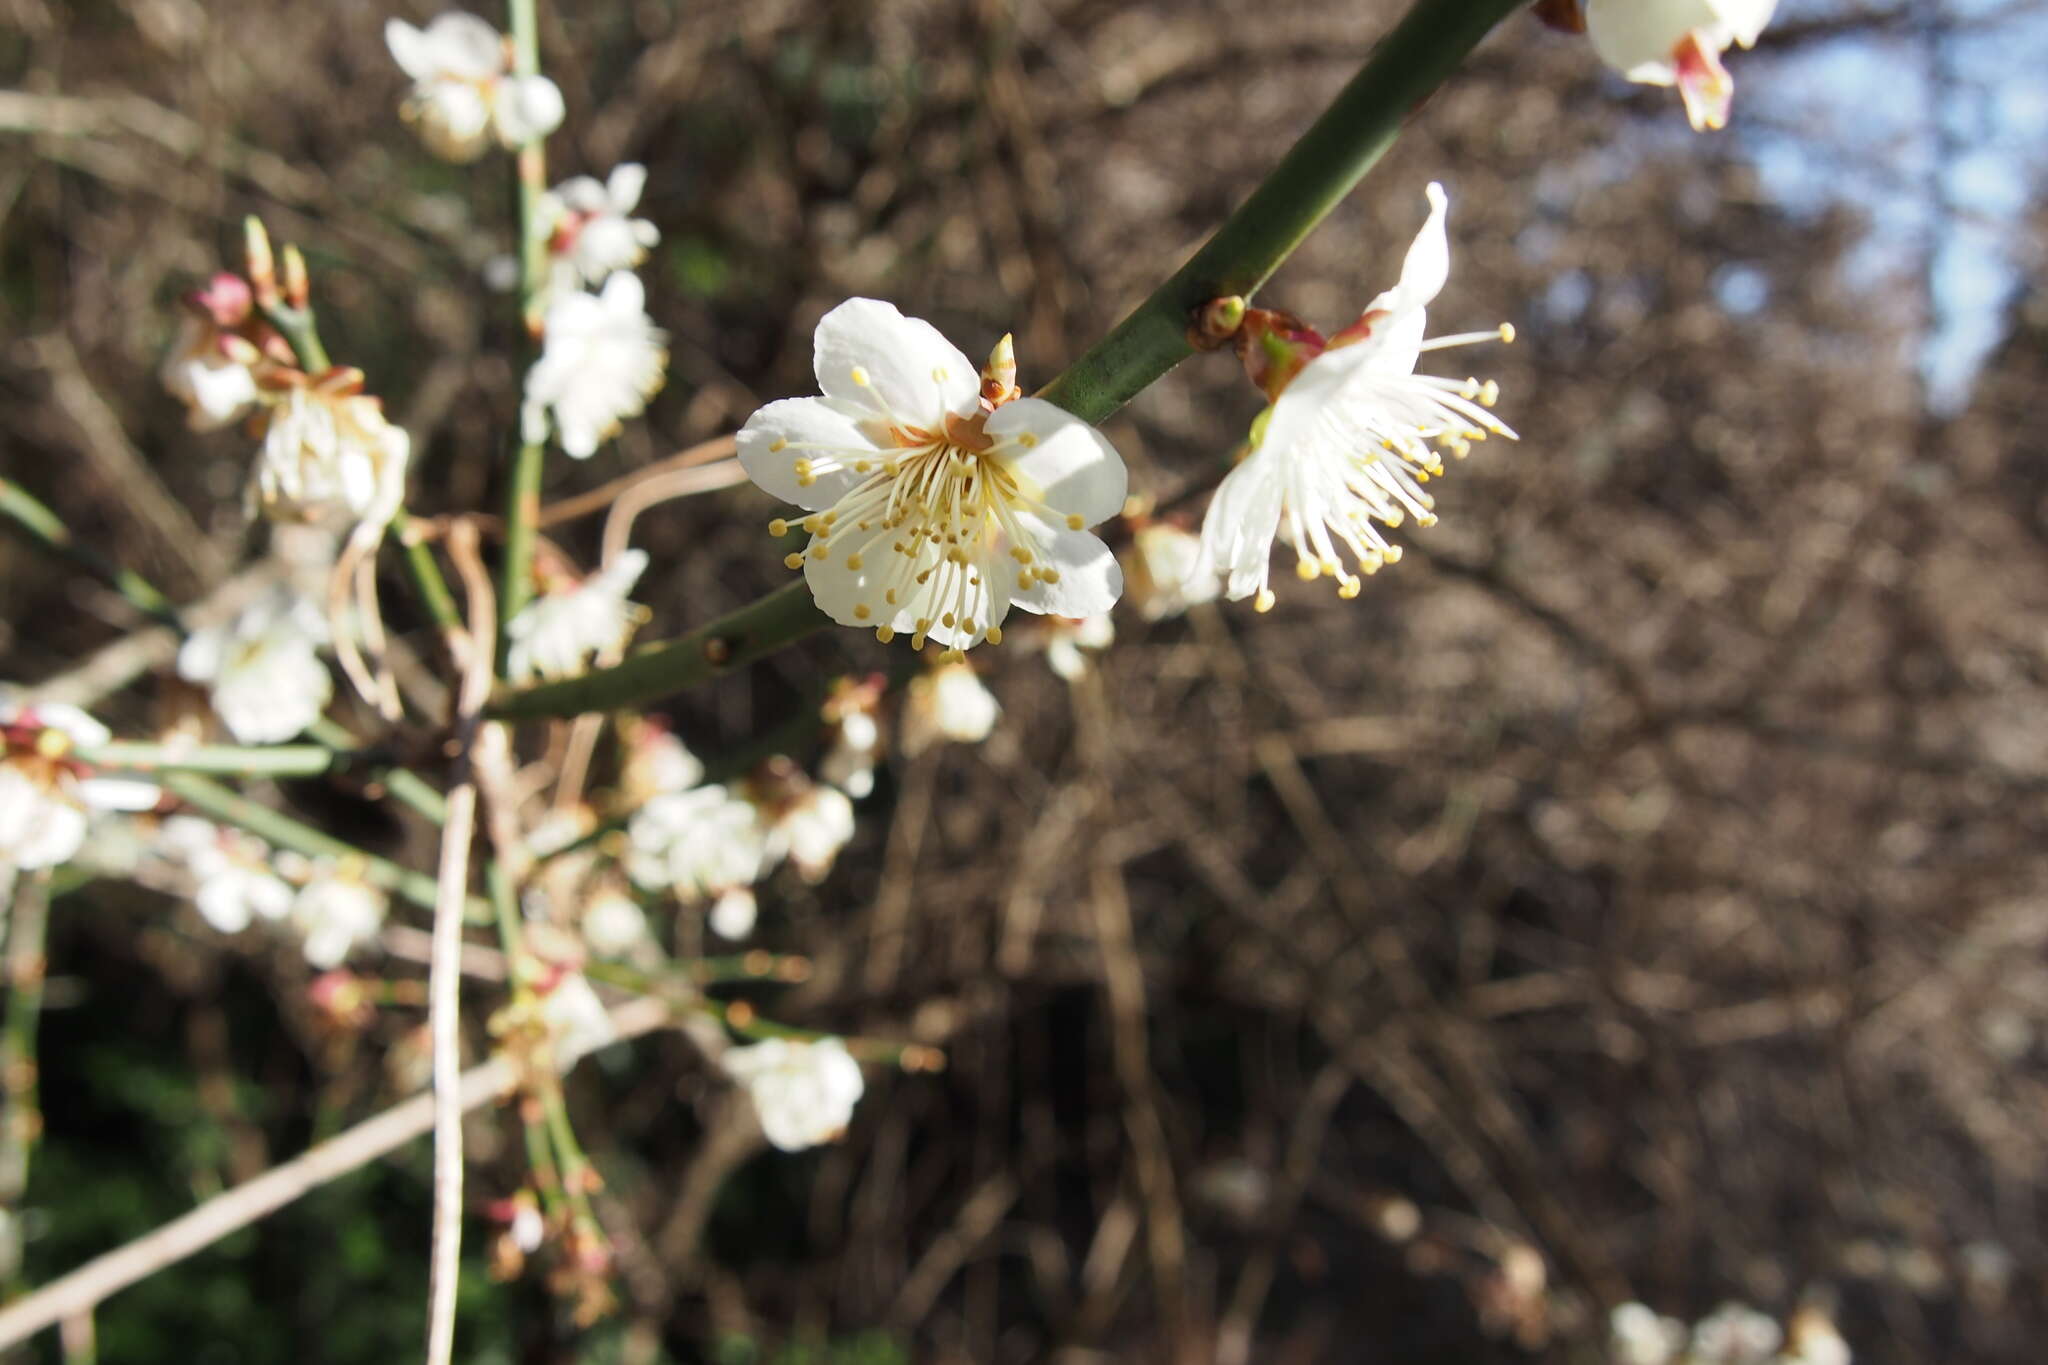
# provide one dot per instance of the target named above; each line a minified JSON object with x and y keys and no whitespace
{"x":1243,"y":518}
{"x":814,"y":430}
{"x":1090,"y":579}
{"x":624,"y":185}
{"x":894,"y":368}
{"x":528,"y":108}
{"x":1427,"y":265}
{"x":410,"y":48}
{"x":1073,"y":468}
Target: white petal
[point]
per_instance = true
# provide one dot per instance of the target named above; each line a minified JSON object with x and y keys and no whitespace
{"x":894,"y":368}
{"x":624,"y":185}
{"x":1629,"y":34}
{"x":1744,"y":19}
{"x":199,"y":658}
{"x":119,"y":793}
{"x":81,"y":727}
{"x":409,"y":48}
{"x":1090,"y":578}
{"x":624,"y":298}
{"x":1427,"y":265}
{"x":813,"y":429}
{"x":1243,"y":518}
{"x":1068,"y":464}
{"x":528,"y":107}
{"x":465,"y":46}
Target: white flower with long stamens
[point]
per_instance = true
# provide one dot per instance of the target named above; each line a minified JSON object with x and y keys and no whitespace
{"x":47,"y":797}
{"x":804,"y":1091}
{"x":1678,"y":42}
{"x":556,"y":634}
{"x":329,"y":455}
{"x":263,"y":669}
{"x":938,"y":500}
{"x":462,"y":91}
{"x":1348,"y":443}
{"x":697,"y":843}
{"x":590,"y":227}
{"x":335,"y":912}
{"x":233,"y":881}
{"x":601,"y":359}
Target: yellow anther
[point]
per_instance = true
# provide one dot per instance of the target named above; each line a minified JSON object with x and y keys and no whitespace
{"x":862,"y":466}
{"x":938,"y":374}
{"x":778,"y":527}
{"x":806,"y":480}
{"x":1020,"y":554}
{"x":967,"y":625}
{"x":995,"y":635}
{"x":1489,"y":394}
{"x":792,"y":561}
{"x":1264,"y":601}
{"x":1392,"y":554}
{"x":1049,"y":575}
{"x":1348,"y":587}
{"x":947,"y":619}
{"x":777,"y":446}
{"x":853,"y":562}
{"x":917,"y":641}
{"x":1026,"y":439}
{"x":1507,"y":332}
{"x":1306,"y":570}
{"x":802,"y":467}
{"x":1024,"y":580}
{"x":814,"y":523}
{"x":924,"y":624}
{"x":890,"y":597}
{"x":1074,"y":522}
{"x":884,"y":634}
{"x":860,"y":376}
{"x":861,"y":612}
{"x":821,"y":552}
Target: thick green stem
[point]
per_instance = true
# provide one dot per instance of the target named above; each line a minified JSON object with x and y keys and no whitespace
{"x":46,"y":529}
{"x":522,"y":511}
{"x":1315,"y":175}
{"x":1310,"y":180}
{"x":782,"y":617}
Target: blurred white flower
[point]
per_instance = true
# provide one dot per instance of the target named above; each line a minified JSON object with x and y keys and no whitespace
{"x":601,"y":359}
{"x":556,"y":634}
{"x":853,"y":713}
{"x":330,"y":456}
{"x":1345,"y":444}
{"x":576,"y":1019}
{"x":1065,"y":639}
{"x":234,"y":883}
{"x":1734,"y":1334}
{"x":947,"y":702}
{"x":697,"y":843}
{"x":263,"y":670}
{"x":1812,"y":1339}
{"x":462,"y":91}
{"x":1637,"y":1335}
{"x":613,"y":924}
{"x":334,"y":912}
{"x":1160,"y":572}
{"x":733,"y":914}
{"x":46,"y":795}
{"x":590,"y":227}
{"x":656,"y":763}
{"x":809,"y":829}
{"x":209,"y":366}
{"x":803,"y":1091}
{"x":1678,"y":42}
{"x":938,"y":501}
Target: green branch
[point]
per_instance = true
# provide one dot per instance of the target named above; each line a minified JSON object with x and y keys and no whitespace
{"x":1320,"y":169}
{"x":47,"y":530}
{"x":522,"y":509}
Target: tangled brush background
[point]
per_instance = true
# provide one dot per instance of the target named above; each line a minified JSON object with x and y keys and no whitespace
{"x":1638,"y":893}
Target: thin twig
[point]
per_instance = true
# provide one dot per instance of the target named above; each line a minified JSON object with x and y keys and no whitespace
{"x":605,"y":494}
{"x":474,"y":648}
{"x":22,"y":1122}
{"x":96,"y":1280}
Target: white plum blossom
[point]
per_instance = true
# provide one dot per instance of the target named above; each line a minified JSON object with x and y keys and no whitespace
{"x":1678,"y":42}
{"x":601,"y":359}
{"x":576,"y":1019}
{"x":556,"y":634}
{"x":330,"y":456}
{"x":856,"y":746}
{"x":1638,"y":1335}
{"x":937,"y":498}
{"x":47,"y":797}
{"x":1347,"y":444}
{"x":804,"y":1091}
{"x":335,"y":911}
{"x":733,"y":914}
{"x":1160,"y":572}
{"x":699,"y":843}
{"x":1812,"y":1339}
{"x":656,"y":763}
{"x":950,"y":703}
{"x":263,"y":669}
{"x":1064,"y":641}
{"x":809,"y":829}
{"x":590,"y":227}
{"x":463,"y":94}
{"x":1734,"y":1334}
{"x":233,"y":881}
{"x":613,"y":924}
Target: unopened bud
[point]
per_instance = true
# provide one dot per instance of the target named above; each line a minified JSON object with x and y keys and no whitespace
{"x":999,"y":376}
{"x":259,"y":264}
{"x":297,"y":289}
{"x":1274,"y":346}
{"x":1216,"y":322}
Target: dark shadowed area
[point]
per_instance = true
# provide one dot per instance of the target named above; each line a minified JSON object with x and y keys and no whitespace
{"x":1637,"y":892}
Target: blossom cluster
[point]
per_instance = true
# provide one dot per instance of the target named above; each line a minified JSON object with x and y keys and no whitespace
{"x":1733,"y":1334}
